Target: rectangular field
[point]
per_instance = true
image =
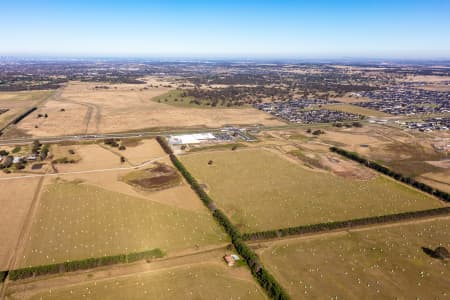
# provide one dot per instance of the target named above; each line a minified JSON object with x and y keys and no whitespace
{"x":16,"y":197}
{"x":356,"y":110}
{"x":82,"y":108}
{"x":196,"y":281}
{"x":261,"y":190}
{"x":383,"y":263}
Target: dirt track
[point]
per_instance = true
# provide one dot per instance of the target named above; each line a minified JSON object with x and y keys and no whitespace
{"x":26,"y":288}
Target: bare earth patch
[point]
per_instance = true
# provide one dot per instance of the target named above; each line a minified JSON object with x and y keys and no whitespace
{"x":346,"y":168}
{"x":158,"y":177}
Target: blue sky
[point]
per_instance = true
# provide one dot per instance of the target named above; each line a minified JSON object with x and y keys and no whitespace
{"x":294,"y":29}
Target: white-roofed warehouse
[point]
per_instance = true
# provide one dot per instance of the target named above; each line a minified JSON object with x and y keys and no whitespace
{"x":196,"y":138}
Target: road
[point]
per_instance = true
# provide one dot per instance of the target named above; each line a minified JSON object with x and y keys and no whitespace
{"x":138,"y":134}
{"x":91,"y":137}
{"x":84,"y":172}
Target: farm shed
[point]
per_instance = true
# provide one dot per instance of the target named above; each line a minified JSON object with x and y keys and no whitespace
{"x":231,"y":259}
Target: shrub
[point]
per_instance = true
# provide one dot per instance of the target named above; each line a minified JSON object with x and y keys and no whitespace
{"x":16,"y":149}
{"x":3,"y":275}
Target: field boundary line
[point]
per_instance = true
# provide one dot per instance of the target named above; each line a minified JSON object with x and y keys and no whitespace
{"x":120,"y":271}
{"x":286,"y":233}
{"x":262,"y":276}
{"x":119,"y":265}
{"x":26,"y":228}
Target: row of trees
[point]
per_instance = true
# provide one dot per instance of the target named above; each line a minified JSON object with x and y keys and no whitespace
{"x":267,"y":281}
{"x":22,"y":116}
{"x":323,"y":227}
{"x":88,"y":263}
{"x":397,"y":176}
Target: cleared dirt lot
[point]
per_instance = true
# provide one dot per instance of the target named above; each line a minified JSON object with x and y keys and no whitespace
{"x":15,"y":200}
{"x":262,"y":190}
{"x":363,"y":264}
{"x":127,"y":107}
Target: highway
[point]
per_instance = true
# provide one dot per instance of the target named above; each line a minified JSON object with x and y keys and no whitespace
{"x":98,"y":136}
{"x":139,"y":134}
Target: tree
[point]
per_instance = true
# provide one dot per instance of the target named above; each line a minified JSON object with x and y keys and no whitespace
{"x":36,"y":146}
{"x":318,"y":132}
{"x":16,"y":149}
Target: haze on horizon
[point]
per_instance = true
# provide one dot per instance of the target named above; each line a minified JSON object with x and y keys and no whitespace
{"x":315,"y":29}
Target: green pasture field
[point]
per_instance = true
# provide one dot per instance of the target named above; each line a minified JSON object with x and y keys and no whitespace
{"x":261,"y":190}
{"x":76,"y":221}
{"x":382,"y":263}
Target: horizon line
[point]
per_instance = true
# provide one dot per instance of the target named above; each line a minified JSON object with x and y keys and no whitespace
{"x":214,"y":57}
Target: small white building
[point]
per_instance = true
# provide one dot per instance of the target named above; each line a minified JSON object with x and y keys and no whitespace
{"x":17,"y":159}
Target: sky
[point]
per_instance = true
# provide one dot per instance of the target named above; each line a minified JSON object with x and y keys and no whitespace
{"x":228,"y":28}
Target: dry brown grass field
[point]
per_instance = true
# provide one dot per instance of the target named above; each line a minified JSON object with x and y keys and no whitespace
{"x":410,"y":153}
{"x":126,"y":107}
{"x":439,"y":179}
{"x":16,"y":197}
{"x":19,"y":102}
{"x":76,"y":220}
{"x":383,"y":263}
{"x":436,"y":87}
{"x":89,"y":209}
{"x":355,"y":110}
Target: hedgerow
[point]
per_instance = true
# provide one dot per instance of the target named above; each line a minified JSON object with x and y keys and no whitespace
{"x":323,"y":227}
{"x":267,"y":281}
{"x":88,"y":263}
